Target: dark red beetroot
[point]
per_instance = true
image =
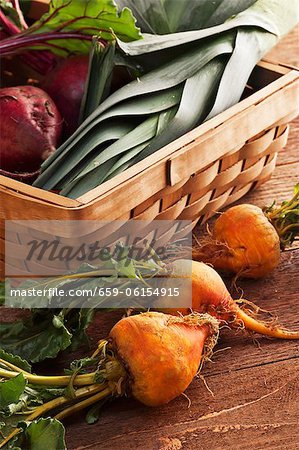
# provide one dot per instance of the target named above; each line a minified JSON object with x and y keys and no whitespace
{"x":30,"y":127}
{"x":66,"y":83}
{"x":24,"y":177}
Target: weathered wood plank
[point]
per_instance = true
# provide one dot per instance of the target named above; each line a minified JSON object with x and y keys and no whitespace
{"x":287,"y":49}
{"x":279,"y":187}
{"x":243,"y":410}
{"x":290,"y":153}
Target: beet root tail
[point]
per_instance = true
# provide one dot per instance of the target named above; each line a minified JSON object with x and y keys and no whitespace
{"x":252,"y":324}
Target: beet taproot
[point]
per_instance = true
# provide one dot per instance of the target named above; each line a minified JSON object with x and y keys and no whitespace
{"x":243,"y":242}
{"x":66,"y":84}
{"x":30,"y":128}
{"x":210,"y":295}
{"x":161,"y":353}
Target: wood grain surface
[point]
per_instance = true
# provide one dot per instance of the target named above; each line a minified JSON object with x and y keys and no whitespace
{"x":254,"y":381}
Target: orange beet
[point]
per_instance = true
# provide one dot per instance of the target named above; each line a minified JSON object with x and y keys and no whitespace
{"x":210,"y":295}
{"x":162,"y":353}
{"x":151,"y":356}
{"x":243,"y":242}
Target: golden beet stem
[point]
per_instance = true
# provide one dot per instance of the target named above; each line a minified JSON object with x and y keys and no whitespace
{"x":82,"y":405}
{"x":13,"y":367}
{"x":10,"y":436}
{"x":80,"y":380}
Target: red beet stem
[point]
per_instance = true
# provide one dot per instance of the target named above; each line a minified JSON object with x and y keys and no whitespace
{"x":17,"y":7}
{"x":21,"y":42}
{"x":8,"y":25}
{"x":42,"y":60}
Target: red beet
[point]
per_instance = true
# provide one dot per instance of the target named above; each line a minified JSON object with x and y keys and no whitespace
{"x":65,"y":84}
{"x":24,"y":177}
{"x":30,"y":127}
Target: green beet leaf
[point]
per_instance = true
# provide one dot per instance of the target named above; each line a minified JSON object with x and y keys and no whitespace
{"x":42,"y":434}
{"x":36,"y":338}
{"x":15,"y":360}
{"x":11,"y":390}
{"x":96,"y":17}
{"x":57,"y":29}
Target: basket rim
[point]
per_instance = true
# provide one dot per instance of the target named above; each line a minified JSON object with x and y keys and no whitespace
{"x":288,"y":75}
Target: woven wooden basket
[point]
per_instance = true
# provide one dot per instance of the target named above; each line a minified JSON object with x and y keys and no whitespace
{"x":189,"y":179}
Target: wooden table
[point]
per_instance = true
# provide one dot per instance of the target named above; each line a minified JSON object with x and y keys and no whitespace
{"x":254,"y":381}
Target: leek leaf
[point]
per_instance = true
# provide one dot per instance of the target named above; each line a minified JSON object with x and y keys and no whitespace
{"x":199,"y":91}
{"x":112,"y":132}
{"x":197,"y":100}
{"x":121,"y":162}
{"x":169,"y":75}
{"x":171,"y":16}
{"x":161,"y":80}
{"x":249,"y":48}
{"x":101,"y":63}
{"x":144,"y":106}
{"x":141,"y":134}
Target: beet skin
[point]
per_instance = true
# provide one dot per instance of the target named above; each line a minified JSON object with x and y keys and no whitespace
{"x":30,"y":128}
{"x":65,"y":84}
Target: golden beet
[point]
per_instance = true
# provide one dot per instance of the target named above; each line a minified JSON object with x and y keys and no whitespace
{"x":162,"y":353}
{"x":253,"y":245}
{"x":152,"y":356}
{"x":247,"y":240}
{"x":210,"y":295}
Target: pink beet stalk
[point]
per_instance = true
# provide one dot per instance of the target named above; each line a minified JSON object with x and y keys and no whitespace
{"x":42,"y":62}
